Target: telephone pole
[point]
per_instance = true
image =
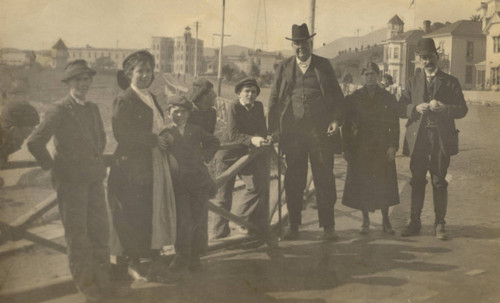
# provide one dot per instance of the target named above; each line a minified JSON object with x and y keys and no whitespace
{"x":312,"y":16}
{"x":219,"y":74}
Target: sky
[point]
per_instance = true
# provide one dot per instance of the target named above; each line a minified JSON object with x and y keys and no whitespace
{"x":38,"y":24}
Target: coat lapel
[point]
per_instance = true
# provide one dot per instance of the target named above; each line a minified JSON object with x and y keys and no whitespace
{"x":420,"y":87}
{"x":438,"y":81}
{"x":318,"y":74}
{"x":70,"y":105}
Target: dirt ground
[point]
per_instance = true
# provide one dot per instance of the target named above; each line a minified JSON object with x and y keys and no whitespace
{"x":357,"y":268}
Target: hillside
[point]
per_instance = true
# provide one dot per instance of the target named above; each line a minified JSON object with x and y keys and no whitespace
{"x":331,"y":50}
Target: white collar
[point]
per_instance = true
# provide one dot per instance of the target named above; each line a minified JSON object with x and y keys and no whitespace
{"x":143,"y":91}
{"x":433,"y":74}
{"x":77,"y":100}
{"x":304,"y":63}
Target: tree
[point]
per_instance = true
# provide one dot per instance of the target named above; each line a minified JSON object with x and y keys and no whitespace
{"x":476,"y":18}
{"x":227,"y":72}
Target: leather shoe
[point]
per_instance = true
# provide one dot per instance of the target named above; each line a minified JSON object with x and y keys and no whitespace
{"x":329,"y":234}
{"x":292,"y":233}
{"x":411,"y":230}
{"x":441,"y":232}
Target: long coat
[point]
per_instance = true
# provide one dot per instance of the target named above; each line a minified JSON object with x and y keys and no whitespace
{"x":447,"y":90}
{"x":280,"y":115}
{"x":79,"y":149}
{"x":370,"y":128}
{"x":130,"y":183}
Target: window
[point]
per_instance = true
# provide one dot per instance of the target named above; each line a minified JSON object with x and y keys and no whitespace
{"x":468,"y":74}
{"x":396,"y":53}
{"x":470,"y":50}
{"x":496,"y":44}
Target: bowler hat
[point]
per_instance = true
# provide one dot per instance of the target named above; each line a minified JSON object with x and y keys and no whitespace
{"x":248,"y":81}
{"x":75,"y":68}
{"x":180,"y":101}
{"x":300,"y":32}
{"x":426,"y":46}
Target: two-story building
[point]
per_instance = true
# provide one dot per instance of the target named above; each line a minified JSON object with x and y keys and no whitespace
{"x":399,"y":50}
{"x":461,"y":45}
{"x":491,"y":28}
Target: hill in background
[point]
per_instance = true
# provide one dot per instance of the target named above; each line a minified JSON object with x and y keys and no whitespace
{"x":331,"y":50}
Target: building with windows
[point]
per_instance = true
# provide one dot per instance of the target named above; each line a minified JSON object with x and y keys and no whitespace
{"x":100,"y":58}
{"x":399,"y":50}
{"x":185,"y":52}
{"x":162,"y":49}
{"x":461,"y":45}
{"x":489,"y":70}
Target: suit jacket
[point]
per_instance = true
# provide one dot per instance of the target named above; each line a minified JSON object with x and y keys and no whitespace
{"x":78,"y":152}
{"x":447,"y":90}
{"x":132,"y":123}
{"x":280,"y":115}
{"x":191,"y":150}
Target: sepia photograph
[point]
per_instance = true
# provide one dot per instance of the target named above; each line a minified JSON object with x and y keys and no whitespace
{"x":240,"y":151}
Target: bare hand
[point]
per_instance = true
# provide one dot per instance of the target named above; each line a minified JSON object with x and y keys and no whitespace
{"x":422,"y":108}
{"x":333,"y":129}
{"x":259,"y":141}
{"x":391,"y":154}
{"x":437,"y":106}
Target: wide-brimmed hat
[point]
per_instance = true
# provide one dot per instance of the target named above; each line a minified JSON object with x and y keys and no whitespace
{"x":199,"y":88}
{"x":179,"y":101}
{"x":75,"y":68}
{"x":248,"y":81}
{"x":19,"y":114}
{"x":426,"y":46}
{"x":300,"y":33}
{"x":121,"y":77}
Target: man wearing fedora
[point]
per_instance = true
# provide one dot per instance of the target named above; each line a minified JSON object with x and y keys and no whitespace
{"x":431,"y":101}
{"x":78,"y":171}
{"x":305,"y":112}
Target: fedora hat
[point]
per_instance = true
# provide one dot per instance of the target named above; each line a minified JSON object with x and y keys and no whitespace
{"x":75,"y":68}
{"x":426,"y":46}
{"x":300,"y":32}
{"x":248,"y":81}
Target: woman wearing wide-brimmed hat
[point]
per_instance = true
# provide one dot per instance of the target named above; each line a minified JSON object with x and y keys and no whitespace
{"x":140,"y":185}
{"x":371,"y":137}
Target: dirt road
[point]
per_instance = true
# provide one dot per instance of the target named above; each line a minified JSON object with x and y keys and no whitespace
{"x":357,"y":268}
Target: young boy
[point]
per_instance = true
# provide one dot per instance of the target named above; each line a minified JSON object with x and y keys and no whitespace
{"x":193,"y":186}
{"x":78,"y":171}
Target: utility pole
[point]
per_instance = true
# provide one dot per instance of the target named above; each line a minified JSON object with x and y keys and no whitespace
{"x":219,"y":74}
{"x":196,"y":53}
{"x":311,"y":20}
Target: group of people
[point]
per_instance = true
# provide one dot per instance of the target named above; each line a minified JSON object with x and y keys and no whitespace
{"x":159,"y":184}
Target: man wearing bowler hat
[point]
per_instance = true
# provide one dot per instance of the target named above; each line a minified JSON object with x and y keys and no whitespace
{"x":305,"y":113}
{"x":78,"y":172}
{"x":431,"y":101}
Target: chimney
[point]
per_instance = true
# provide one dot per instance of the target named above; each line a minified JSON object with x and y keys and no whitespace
{"x":427,"y":26}
{"x":484,"y":9}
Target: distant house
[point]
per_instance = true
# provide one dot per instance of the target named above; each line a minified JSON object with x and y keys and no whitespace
{"x":266,"y":61}
{"x":15,"y":57}
{"x":162,"y":48}
{"x":461,"y":45}
{"x":491,"y":28}
{"x":100,"y":58}
{"x":399,"y":50}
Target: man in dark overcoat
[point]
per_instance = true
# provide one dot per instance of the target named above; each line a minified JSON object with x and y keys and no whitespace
{"x":78,"y":171}
{"x":431,"y":101}
{"x":305,"y":112}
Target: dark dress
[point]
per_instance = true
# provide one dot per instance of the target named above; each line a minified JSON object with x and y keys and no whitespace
{"x":206,"y":119}
{"x":130,"y":183}
{"x":370,"y":128}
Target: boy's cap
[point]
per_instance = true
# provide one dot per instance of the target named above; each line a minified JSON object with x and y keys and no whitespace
{"x":180,"y":101}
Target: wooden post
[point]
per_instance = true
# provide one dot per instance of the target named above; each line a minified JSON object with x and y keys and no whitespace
{"x":219,"y":75}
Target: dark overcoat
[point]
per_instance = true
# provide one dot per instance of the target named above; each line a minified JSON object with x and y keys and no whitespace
{"x":447,"y":90}
{"x":280,"y":115}
{"x":78,"y":152}
{"x":370,"y":128}
{"x":130,"y":182}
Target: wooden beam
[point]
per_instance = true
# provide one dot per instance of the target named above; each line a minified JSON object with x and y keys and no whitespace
{"x":36,"y":212}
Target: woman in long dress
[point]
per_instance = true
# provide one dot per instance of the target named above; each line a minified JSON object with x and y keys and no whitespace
{"x":371,"y":137}
{"x":140,"y":187}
